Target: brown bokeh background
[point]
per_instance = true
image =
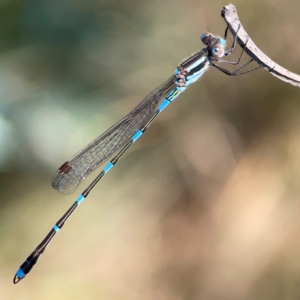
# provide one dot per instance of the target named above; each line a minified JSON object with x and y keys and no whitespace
{"x":205,"y":205}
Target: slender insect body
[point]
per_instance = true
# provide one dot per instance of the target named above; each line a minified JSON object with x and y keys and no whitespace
{"x":117,"y":139}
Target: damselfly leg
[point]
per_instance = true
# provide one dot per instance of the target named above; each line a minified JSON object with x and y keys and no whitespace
{"x":238,"y":71}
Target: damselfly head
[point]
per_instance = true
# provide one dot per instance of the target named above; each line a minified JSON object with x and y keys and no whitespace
{"x":209,"y":39}
{"x":206,"y":37}
{"x":215,"y":45}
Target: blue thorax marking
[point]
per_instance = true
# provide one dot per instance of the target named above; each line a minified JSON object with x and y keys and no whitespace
{"x":196,"y":64}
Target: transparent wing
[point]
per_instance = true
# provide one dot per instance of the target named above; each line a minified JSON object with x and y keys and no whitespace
{"x":73,"y":172}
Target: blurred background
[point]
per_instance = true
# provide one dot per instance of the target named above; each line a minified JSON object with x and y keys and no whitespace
{"x":204,"y":206}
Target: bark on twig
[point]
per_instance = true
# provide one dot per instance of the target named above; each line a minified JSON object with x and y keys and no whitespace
{"x":231,"y":18}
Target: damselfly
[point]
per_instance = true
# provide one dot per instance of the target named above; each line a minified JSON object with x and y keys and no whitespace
{"x":117,"y":139}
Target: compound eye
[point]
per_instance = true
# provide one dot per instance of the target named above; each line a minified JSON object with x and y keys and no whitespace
{"x":205,"y":38}
{"x":203,"y":35}
{"x":217,"y":51}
